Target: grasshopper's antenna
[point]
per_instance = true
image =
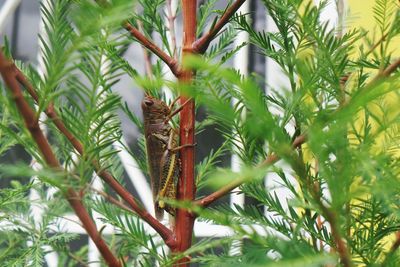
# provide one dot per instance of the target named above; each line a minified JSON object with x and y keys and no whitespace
{"x":169,"y":117}
{"x":174,"y":102}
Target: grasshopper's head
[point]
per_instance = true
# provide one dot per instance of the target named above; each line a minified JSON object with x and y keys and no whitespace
{"x":154,"y":108}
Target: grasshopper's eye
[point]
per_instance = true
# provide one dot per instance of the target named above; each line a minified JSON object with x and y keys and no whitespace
{"x":148,"y":102}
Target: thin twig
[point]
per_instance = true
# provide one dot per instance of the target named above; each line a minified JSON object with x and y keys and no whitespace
{"x":341,"y":245}
{"x":7,"y":69}
{"x":78,"y":259}
{"x":146,"y":56}
{"x":149,"y":44}
{"x":271,"y":159}
{"x":111,"y":199}
{"x":379,"y":77}
{"x":385,"y":73}
{"x":391,"y":68}
{"x":106,"y":176}
{"x":143,"y":40}
{"x":201,"y":45}
{"x":331,"y":217}
{"x":171,"y":27}
{"x":381,"y":40}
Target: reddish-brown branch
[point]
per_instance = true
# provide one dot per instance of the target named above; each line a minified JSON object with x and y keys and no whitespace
{"x":341,"y":246}
{"x":50,"y":112}
{"x":385,"y":73}
{"x":186,"y":184}
{"x":7,"y":69}
{"x":107,"y":177}
{"x":143,"y":40}
{"x":165,"y":233}
{"x":271,"y":159}
{"x":391,"y":68}
{"x":171,"y":62}
{"x":90,"y":227}
{"x":201,"y":45}
{"x":111,"y":199}
{"x":146,"y":55}
{"x":380,"y":41}
{"x":331,"y":218}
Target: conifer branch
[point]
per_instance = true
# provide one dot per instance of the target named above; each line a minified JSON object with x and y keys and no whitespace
{"x":381,"y":75}
{"x":143,"y":40}
{"x":171,"y":62}
{"x":201,"y":45}
{"x":386,"y":72}
{"x":7,"y":70}
{"x":271,"y":159}
{"x":106,"y":176}
{"x":111,"y":199}
{"x":391,"y":68}
{"x":341,"y":245}
{"x":379,"y":42}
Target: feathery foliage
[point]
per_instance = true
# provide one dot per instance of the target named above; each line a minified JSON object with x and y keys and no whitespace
{"x":331,"y":201}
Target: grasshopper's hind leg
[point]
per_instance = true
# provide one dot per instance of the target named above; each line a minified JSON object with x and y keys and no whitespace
{"x":172,"y":145}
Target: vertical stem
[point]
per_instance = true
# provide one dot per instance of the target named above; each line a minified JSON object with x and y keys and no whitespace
{"x":186,"y":185}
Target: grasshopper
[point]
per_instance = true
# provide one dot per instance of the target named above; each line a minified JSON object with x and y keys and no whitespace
{"x":162,"y":152}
